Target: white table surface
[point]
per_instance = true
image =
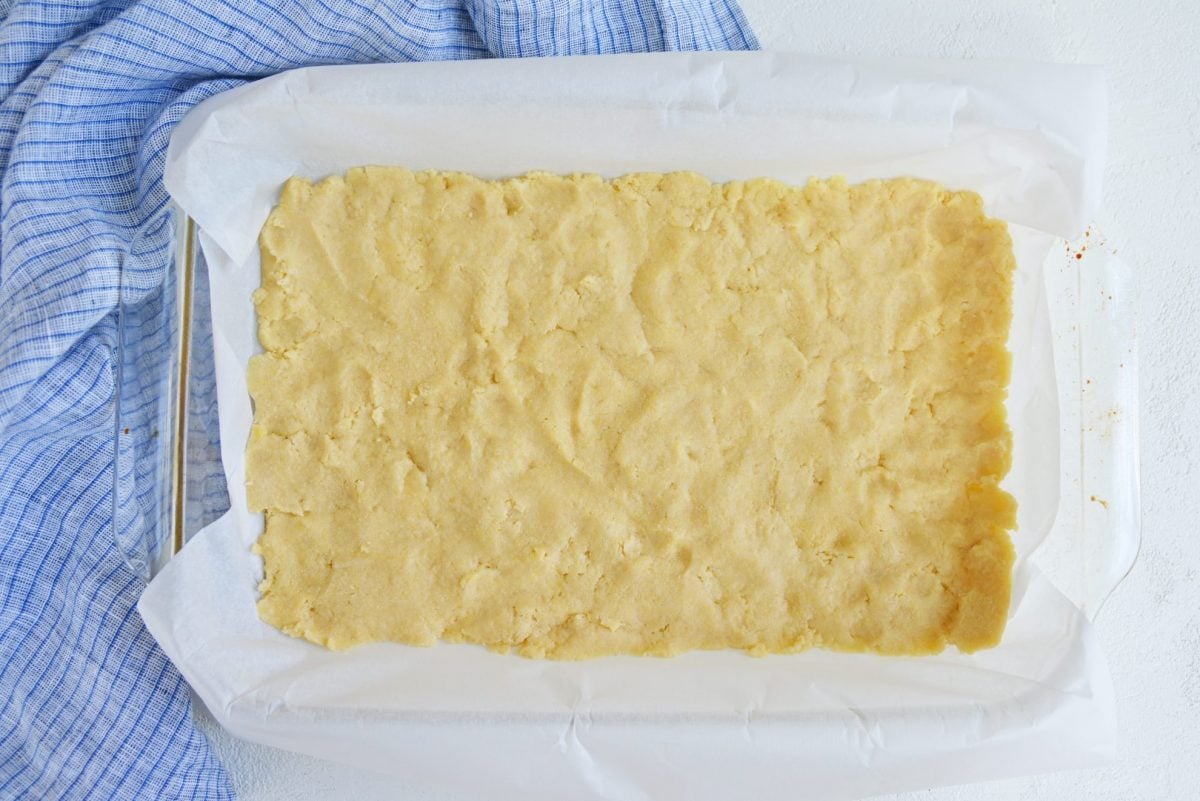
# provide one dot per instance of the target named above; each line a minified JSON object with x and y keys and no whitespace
{"x":1150,"y":629}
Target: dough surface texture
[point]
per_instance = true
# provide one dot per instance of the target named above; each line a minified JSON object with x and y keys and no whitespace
{"x":571,"y":417}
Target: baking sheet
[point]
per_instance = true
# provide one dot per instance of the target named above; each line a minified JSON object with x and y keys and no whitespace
{"x":707,"y":724}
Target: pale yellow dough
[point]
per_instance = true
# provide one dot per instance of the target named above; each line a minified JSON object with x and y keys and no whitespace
{"x":573,"y":417}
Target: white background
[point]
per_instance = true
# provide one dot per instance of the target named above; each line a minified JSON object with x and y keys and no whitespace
{"x":1150,"y":629}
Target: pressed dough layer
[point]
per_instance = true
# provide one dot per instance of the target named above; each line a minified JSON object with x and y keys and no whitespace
{"x":575,"y":417}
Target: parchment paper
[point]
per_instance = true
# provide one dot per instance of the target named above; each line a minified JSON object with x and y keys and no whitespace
{"x":704,"y":725}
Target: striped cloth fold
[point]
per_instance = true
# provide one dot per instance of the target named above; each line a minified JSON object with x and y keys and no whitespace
{"x":89,"y":93}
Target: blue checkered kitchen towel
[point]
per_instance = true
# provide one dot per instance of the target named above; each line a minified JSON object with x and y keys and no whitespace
{"x":89,"y":92}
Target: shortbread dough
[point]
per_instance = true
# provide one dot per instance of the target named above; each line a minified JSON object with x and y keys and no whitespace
{"x":573,"y":417}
